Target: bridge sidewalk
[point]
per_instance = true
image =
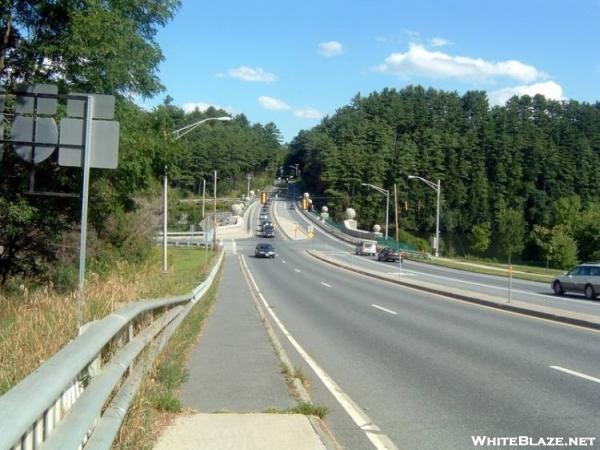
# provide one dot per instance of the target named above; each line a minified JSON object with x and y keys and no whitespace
{"x":234,"y":371}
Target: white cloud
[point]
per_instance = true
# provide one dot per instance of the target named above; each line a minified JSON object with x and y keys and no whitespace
{"x":308,"y":113}
{"x":273,"y":104}
{"x":419,"y":61}
{"x":202,"y":106}
{"x":439,"y":42}
{"x":548,"y":89}
{"x":246,"y":73}
{"x":331,"y":48}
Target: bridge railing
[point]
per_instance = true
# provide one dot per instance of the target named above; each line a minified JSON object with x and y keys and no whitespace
{"x":79,"y":397}
{"x":408,"y":252}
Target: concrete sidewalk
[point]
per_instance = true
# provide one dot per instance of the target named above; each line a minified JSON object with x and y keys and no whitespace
{"x":234,"y":378}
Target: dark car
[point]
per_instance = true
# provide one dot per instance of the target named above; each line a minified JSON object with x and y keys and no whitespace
{"x":268,"y":231}
{"x":388,"y":254}
{"x":264,"y":251}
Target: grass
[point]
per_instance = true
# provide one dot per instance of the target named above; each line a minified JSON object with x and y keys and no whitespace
{"x":157,"y":400}
{"x":308,"y":409}
{"x":531,"y":273}
{"x":35,"y":325}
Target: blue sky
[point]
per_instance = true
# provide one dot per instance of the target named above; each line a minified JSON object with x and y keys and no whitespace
{"x":293,"y":62}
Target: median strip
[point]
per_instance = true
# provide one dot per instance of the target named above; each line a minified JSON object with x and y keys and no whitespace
{"x":541,"y":312}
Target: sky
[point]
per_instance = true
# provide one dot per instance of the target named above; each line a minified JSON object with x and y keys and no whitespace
{"x":295,"y":62}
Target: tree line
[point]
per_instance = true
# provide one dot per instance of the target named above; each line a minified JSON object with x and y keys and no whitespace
{"x":517,"y":180}
{"x":106,"y":47}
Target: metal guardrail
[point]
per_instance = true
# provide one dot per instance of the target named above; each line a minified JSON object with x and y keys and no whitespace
{"x":79,"y":397}
{"x":411,"y":254}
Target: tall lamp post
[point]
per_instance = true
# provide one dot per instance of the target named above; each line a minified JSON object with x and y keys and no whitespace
{"x":387,"y":205}
{"x":437,"y":188}
{"x":177,"y":134}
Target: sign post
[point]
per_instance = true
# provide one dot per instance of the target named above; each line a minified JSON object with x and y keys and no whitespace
{"x":87,"y":138}
{"x":510,"y":270}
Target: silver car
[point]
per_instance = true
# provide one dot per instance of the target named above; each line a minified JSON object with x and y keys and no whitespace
{"x":583,"y":278}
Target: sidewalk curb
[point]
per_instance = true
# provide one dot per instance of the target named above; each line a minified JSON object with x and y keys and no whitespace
{"x":466,"y":298}
{"x":320,"y":427}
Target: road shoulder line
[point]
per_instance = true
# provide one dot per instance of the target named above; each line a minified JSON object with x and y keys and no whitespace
{"x":321,"y":428}
{"x":360,"y":418}
{"x":553,"y":316}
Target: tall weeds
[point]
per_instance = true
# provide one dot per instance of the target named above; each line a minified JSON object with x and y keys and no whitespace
{"x":35,"y":325}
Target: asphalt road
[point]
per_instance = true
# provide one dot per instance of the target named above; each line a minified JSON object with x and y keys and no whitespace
{"x":522,"y":290}
{"x":430,"y":372}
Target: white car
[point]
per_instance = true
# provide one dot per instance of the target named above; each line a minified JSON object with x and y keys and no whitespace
{"x":368,"y":248}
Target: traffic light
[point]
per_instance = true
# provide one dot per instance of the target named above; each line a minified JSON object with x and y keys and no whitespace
{"x":263,"y":197}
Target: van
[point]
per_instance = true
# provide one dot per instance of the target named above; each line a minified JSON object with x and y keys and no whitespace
{"x":368,"y":248}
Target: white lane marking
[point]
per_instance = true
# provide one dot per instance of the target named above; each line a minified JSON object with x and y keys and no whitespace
{"x":283,"y":261}
{"x":384,"y":309}
{"x":297,"y":270}
{"x":325,"y":284}
{"x":234,"y":246}
{"x":499,"y":288}
{"x":371,"y":430}
{"x":577,"y":374}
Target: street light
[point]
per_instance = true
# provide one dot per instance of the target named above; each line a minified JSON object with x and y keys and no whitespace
{"x":185,"y":130}
{"x":387,"y":205}
{"x":178,"y":134}
{"x":438,"y":188}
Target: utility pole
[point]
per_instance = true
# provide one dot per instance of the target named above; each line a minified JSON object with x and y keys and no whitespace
{"x":203,"y":196}
{"x":165,"y":204}
{"x":396,"y":205}
{"x":215,"y":212}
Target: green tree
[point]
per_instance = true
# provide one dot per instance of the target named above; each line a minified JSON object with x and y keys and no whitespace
{"x":83,"y":46}
{"x":511,"y":232}
{"x":563,"y":248}
{"x":481,"y":236}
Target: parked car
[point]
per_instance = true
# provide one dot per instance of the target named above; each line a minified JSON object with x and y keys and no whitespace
{"x":264,"y":251}
{"x":584,"y":278}
{"x":368,"y":248}
{"x":388,"y":254}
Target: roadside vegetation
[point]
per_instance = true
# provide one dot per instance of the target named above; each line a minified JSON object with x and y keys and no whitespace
{"x":523,"y":272}
{"x":518,"y":182}
{"x":38,"y":233}
{"x":157,"y":399}
{"x":36,"y":324}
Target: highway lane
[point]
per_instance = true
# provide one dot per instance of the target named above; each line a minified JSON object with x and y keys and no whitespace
{"x":437,"y":371}
{"x":522,"y":290}
{"x":430,"y":372}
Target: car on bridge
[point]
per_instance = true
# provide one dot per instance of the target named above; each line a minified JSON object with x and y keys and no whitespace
{"x":585,"y":278}
{"x":264,"y":251}
{"x":368,"y":248}
{"x":268,"y":231}
{"x":388,"y":254}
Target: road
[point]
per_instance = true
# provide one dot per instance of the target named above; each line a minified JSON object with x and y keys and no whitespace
{"x":522,"y":290}
{"x":429,"y":372}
